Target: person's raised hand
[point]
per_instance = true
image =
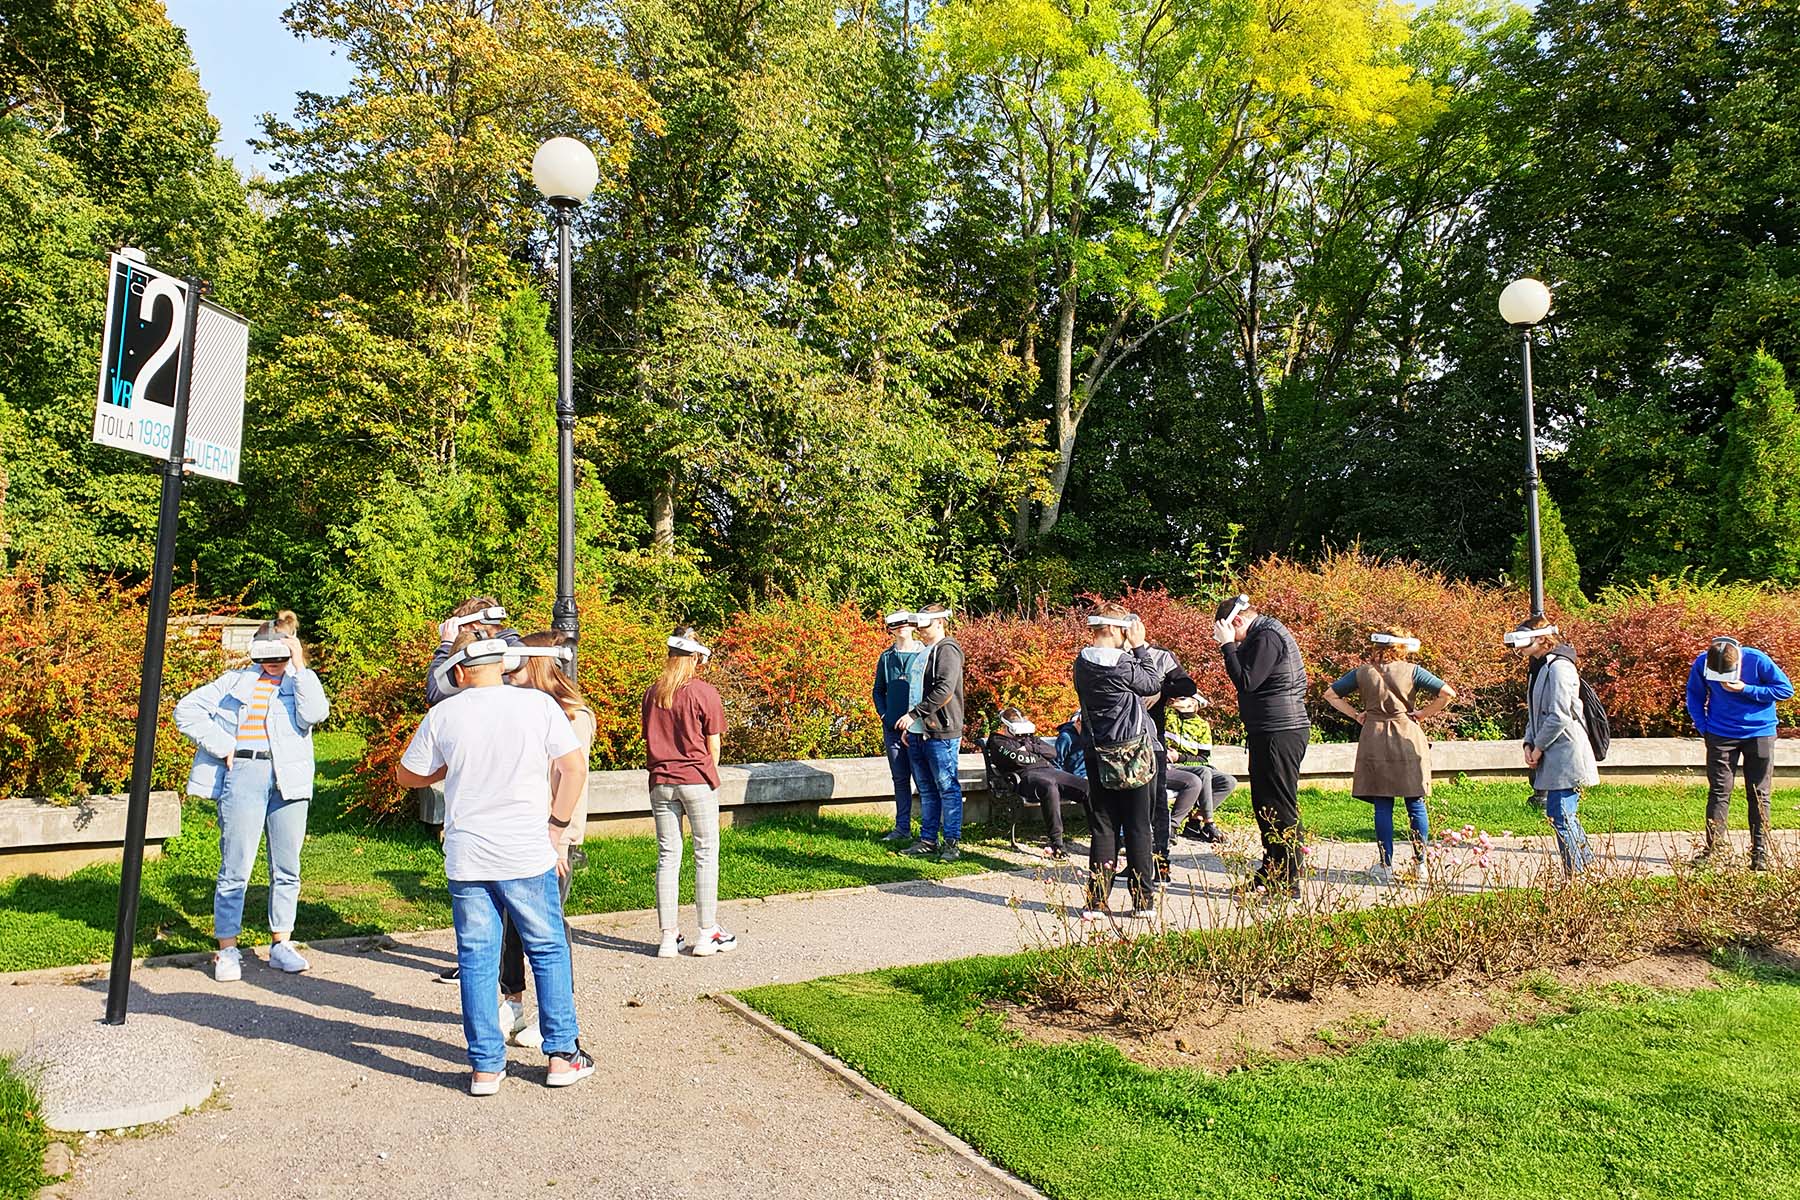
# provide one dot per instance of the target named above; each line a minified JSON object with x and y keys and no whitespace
{"x":295,"y":650}
{"x":448,"y":629}
{"x":1222,"y":632}
{"x":1134,"y":634}
{"x":1735,"y":685}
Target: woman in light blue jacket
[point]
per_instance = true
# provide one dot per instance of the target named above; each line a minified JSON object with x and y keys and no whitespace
{"x":1557,"y":751}
{"x":252,"y":732}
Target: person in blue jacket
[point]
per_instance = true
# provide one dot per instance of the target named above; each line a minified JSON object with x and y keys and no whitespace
{"x":899,"y":685}
{"x":1732,"y":691}
{"x":1069,"y":755}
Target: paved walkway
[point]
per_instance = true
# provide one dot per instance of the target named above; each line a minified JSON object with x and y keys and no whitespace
{"x":348,"y":1081}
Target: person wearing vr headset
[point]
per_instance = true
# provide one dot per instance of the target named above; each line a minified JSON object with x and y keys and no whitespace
{"x":1115,"y":676}
{"x":899,"y":684}
{"x":684,"y":729}
{"x":1557,"y":751}
{"x":1030,"y":761}
{"x":253,"y":754}
{"x":538,"y":662}
{"x":514,"y":773}
{"x":933,"y":729}
{"x":1393,"y":757}
{"x":481,"y":615}
{"x":1265,"y":666}
{"x":1732,"y":690}
{"x":1199,"y":786}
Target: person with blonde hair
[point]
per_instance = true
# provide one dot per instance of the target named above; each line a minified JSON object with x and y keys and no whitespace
{"x":1393,"y":757}
{"x":1557,"y":751}
{"x":541,"y":662}
{"x":684,"y":728}
{"x":253,"y":753}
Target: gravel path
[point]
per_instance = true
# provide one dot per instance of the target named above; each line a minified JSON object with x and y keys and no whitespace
{"x":347,"y":1081}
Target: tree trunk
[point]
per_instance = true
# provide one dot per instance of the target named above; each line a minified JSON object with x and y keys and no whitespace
{"x":1066,"y":421}
{"x":662,"y":515}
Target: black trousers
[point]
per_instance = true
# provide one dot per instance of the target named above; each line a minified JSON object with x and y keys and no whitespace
{"x":1159,"y":811}
{"x":1048,"y":787}
{"x":1126,"y":816}
{"x":1275,"y":800}
{"x":1722,"y":758}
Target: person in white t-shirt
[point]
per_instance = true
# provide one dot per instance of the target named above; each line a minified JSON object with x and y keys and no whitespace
{"x":494,"y":748}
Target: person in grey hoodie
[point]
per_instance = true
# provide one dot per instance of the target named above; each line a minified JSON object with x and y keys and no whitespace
{"x":933,"y":729}
{"x":1114,"y":677}
{"x":1557,"y":751}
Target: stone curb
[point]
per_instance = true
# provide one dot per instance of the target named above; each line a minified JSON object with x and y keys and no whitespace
{"x":995,"y":1174}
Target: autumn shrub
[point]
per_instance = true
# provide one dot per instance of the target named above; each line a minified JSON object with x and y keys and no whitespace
{"x":1022,"y":661}
{"x":69,"y":692}
{"x":797,"y":679}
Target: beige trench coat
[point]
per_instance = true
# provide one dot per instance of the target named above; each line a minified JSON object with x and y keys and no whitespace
{"x":1392,"y":756}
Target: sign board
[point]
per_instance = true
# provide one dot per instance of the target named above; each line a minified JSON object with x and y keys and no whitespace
{"x":139,"y":356}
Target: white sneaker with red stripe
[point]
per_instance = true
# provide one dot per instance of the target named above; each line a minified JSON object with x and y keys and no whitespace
{"x":715,"y":941}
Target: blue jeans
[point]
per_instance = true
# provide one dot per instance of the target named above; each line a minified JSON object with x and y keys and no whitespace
{"x":1384,"y":825}
{"x":1571,"y":838}
{"x":940,"y":791}
{"x":900,"y":767}
{"x":535,"y":906}
{"x":250,"y":805}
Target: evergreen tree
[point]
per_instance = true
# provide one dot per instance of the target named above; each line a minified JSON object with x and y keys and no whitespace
{"x":1759,"y":477}
{"x":1562,"y":574}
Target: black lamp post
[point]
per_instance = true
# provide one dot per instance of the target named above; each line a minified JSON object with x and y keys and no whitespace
{"x":1523,"y":304}
{"x":564,"y":170}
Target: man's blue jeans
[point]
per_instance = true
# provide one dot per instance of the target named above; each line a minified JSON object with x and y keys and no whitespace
{"x":940,"y":791}
{"x":535,"y":906}
{"x":250,"y":805}
{"x":1571,"y":839}
{"x":900,"y":767}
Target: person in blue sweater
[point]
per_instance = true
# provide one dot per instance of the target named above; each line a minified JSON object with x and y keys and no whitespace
{"x":899,"y":685}
{"x":1069,"y":755}
{"x":1732,"y":691}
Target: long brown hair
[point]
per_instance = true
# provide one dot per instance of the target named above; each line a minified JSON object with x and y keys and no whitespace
{"x":676,"y":671}
{"x":546,"y":674}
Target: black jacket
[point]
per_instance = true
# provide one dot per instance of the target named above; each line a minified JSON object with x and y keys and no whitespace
{"x":1270,"y":677}
{"x":1007,"y":751}
{"x":435,"y":691}
{"x":939,"y":712}
{"x":1112,"y":686}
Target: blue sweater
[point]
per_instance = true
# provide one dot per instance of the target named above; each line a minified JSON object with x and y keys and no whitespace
{"x":1069,"y":755}
{"x":899,"y":684}
{"x":1746,"y":714}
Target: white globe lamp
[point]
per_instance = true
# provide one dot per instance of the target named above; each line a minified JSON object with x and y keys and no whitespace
{"x":564,"y":170}
{"x":1524,"y":302}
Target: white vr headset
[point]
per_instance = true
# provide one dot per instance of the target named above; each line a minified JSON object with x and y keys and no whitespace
{"x":487,"y":616}
{"x":899,"y":618}
{"x":1388,"y":639}
{"x":1237,"y":606}
{"x":922,"y":619}
{"x":688,"y":646}
{"x":1517,"y":638}
{"x":270,"y":650}
{"x":516,"y":655}
{"x":1097,"y":621}
{"x":484,"y":653}
{"x":1020,"y":728}
{"x":1736,"y":674}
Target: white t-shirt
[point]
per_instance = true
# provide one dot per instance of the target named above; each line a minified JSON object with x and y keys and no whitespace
{"x":497,"y":743}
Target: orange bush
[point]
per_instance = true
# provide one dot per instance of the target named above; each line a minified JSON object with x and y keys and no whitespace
{"x":797,"y":678}
{"x":68,"y":696}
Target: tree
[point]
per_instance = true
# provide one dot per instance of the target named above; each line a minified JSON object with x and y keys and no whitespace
{"x":1758,"y":489}
{"x":1562,"y":574}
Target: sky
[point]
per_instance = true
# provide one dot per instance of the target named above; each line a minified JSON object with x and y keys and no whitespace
{"x":250,"y":64}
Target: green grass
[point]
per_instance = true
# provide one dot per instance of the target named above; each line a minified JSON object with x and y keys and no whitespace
{"x":22,"y":1138}
{"x":1648,"y":1096}
{"x":361,"y":880}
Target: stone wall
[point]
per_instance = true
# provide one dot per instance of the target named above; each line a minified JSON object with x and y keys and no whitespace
{"x":52,"y":839}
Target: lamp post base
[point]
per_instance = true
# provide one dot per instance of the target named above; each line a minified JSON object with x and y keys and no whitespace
{"x":98,"y":1076}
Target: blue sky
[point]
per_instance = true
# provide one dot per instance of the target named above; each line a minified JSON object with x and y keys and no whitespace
{"x":250,"y":64}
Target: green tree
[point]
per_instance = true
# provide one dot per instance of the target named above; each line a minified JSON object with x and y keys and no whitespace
{"x":1562,"y":574}
{"x":1758,"y":490}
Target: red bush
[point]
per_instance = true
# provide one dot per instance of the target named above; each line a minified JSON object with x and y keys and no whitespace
{"x":797,"y":680}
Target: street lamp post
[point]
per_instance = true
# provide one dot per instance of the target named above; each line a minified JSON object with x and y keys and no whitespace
{"x":564,"y":170}
{"x":1523,"y":304}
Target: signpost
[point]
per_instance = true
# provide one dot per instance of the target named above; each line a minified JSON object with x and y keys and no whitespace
{"x":172,"y":371}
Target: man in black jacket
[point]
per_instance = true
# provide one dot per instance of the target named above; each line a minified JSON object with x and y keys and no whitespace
{"x":933,"y":731}
{"x":1264,"y":663}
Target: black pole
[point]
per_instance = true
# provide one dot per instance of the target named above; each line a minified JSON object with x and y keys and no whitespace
{"x":564,"y":617}
{"x":143,"y":755}
{"x":1533,"y":543}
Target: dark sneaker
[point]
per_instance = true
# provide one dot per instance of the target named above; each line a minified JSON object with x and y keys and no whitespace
{"x":1759,"y":859}
{"x":921,"y":848}
{"x":897,"y":835}
{"x":577,"y":1065}
{"x":1057,"y":853}
{"x":453,"y":975}
{"x":949,"y":853}
{"x":1210,"y":832}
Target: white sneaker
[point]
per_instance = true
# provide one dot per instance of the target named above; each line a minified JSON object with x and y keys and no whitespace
{"x":671,"y":944}
{"x":715,"y":941}
{"x":486,"y":1087}
{"x":1380,"y":874}
{"x":512,"y":1017}
{"x":283,"y":957}
{"x":228,"y":967}
{"x":530,"y":1037}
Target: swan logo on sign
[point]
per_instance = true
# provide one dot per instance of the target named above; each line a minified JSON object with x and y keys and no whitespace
{"x":140,"y":357}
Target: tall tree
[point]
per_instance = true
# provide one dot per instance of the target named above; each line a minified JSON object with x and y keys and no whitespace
{"x":1758,"y":490}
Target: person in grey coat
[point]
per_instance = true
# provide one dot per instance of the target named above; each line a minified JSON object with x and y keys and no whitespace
{"x":1556,"y":742}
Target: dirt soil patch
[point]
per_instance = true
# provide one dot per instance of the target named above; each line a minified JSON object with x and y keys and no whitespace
{"x":1227,"y":1039}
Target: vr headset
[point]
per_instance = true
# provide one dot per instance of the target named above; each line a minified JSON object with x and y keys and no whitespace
{"x":897,"y":619}
{"x":681,"y":646}
{"x":1517,"y":638}
{"x":1098,"y":621}
{"x":487,"y":616}
{"x":270,"y":650}
{"x":1023,"y":727}
{"x":1716,"y":658}
{"x":1388,"y":639}
{"x":1238,"y":605}
{"x":922,"y":619}
{"x":516,"y":655}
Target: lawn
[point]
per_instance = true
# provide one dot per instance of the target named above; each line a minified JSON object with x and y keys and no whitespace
{"x":1646,"y":1095}
{"x":361,"y":880}
{"x":22,"y":1138}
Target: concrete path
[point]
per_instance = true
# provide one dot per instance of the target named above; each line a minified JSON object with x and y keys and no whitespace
{"x":348,"y":1081}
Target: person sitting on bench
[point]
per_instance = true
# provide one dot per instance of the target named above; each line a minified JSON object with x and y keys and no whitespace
{"x":1199,"y":787}
{"x":1030,"y":762}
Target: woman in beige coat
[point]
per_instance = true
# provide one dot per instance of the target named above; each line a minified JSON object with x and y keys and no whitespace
{"x":1393,"y":759}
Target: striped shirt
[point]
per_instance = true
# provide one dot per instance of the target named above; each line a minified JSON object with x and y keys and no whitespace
{"x":253,"y":725}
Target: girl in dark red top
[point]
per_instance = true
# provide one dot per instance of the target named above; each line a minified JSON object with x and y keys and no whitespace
{"x":684,"y":721}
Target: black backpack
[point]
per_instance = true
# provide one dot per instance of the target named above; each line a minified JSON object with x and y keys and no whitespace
{"x":1594,"y":718}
